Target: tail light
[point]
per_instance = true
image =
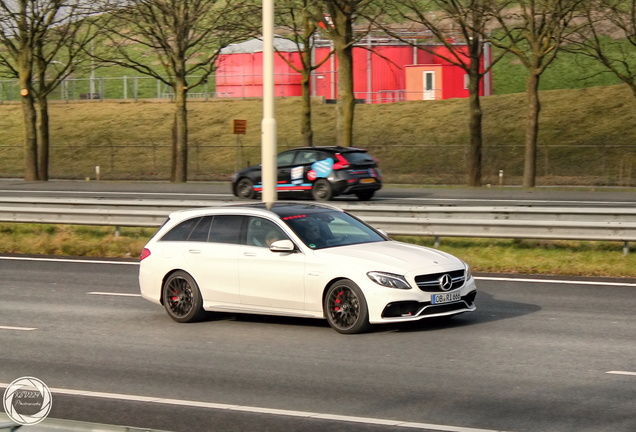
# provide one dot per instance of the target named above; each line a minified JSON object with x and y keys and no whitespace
{"x":145,"y":253}
{"x":341,"y":162}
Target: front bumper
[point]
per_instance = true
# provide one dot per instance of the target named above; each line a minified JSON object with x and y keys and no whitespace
{"x":413,"y":309}
{"x":344,"y":186}
{"x":415,"y":304}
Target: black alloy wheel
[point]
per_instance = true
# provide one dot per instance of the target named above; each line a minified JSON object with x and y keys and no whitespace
{"x":245,"y":189}
{"x":322,"y":190}
{"x":365,"y":195}
{"x":182,"y":298}
{"x":346,"y":308}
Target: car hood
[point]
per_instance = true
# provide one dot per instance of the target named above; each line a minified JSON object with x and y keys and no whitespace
{"x":392,"y":256}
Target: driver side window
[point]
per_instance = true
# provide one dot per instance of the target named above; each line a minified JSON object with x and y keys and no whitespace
{"x":262,"y":233}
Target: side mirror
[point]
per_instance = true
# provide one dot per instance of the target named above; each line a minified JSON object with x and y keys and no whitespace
{"x":282,"y":246}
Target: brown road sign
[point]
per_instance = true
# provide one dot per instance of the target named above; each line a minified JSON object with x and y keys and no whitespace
{"x":239,"y":127}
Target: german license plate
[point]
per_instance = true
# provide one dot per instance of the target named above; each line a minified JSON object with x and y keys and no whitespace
{"x":367,"y":180}
{"x":446,"y":297}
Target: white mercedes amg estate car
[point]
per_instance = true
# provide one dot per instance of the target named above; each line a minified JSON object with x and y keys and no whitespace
{"x":303,"y":260}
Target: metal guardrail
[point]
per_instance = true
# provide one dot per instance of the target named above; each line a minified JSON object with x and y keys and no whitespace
{"x":553,"y":223}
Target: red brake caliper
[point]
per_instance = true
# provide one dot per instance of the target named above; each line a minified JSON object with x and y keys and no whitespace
{"x":338,"y":301}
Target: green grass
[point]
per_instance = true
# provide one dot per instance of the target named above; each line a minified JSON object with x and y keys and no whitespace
{"x":73,"y":240}
{"x":587,"y":137}
{"x":568,"y":71}
{"x":566,"y":258}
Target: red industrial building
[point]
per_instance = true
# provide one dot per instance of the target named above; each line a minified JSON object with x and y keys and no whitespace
{"x":385,"y":70}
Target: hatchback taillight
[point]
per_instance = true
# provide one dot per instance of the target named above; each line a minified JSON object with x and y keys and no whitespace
{"x":341,"y":162}
{"x":145,"y":253}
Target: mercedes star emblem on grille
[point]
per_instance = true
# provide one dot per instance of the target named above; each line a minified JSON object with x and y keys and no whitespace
{"x":445,"y":282}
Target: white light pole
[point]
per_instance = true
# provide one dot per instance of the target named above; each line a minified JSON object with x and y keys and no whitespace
{"x":268,"y":125}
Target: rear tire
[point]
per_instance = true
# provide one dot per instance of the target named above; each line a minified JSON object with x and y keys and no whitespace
{"x":365,"y":195}
{"x":245,"y":189}
{"x":322,"y":190}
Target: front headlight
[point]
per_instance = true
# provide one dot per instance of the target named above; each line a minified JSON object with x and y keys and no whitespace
{"x":468,"y":272}
{"x":389,"y":280}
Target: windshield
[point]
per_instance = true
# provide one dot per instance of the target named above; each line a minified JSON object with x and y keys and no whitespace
{"x":330,"y":229}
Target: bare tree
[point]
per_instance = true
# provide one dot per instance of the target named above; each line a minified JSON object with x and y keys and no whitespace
{"x":337,"y":20}
{"x":185,"y":37}
{"x":42,"y":43}
{"x":609,"y":37}
{"x":451,"y":21}
{"x":534,"y":31}
{"x":296,"y":17}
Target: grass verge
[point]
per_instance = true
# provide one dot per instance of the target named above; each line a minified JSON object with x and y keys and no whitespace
{"x":565,"y":258}
{"x":545,"y":257}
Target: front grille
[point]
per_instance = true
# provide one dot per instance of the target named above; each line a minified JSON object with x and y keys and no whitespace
{"x":430,"y":282}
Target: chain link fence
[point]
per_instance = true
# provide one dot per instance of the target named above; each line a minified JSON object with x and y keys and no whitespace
{"x":134,"y":88}
{"x":99,"y":88}
{"x":422,"y":164}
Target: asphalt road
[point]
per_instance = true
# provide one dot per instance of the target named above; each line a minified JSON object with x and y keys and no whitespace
{"x":390,"y":194}
{"x":536,"y":356}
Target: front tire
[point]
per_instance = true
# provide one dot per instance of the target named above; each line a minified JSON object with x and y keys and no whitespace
{"x":182,"y":298}
{"x":245,"y":189}
{"x":322,"y":190}
{"x":346,"y":308}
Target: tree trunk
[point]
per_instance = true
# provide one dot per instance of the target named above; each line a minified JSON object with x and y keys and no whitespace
{"x":346,"y":99}
{"x":475,"y":127}
{"x":305,"y":127}
{"x":632,"y":86}
{"x":30,"y":131}
{"x":180,"y":137}
{"x":43,"y":138}
{"x":532,"y":131}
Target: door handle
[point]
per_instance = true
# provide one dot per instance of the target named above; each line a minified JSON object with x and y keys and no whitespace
{"x":249,"y":254}
{"x":194,"y":251}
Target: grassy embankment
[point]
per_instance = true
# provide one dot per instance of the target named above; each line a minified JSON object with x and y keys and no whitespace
{"x":113,"y":135}
{"x":507,"y":256}
{"x":587,"y":137}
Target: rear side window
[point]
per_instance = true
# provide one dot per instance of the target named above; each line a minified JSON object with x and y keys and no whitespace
{"x":226,"y":229}
{"x":217,"y":229}
{"x":201,"y":230}
{"x":358,"y":157}
{"x":304,"y":157}
{"x":182,"y":231}
{"x":322,"y":156}
{"x":285,"y":158}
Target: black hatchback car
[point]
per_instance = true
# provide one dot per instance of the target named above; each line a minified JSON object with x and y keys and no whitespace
{"x":323,"y":172}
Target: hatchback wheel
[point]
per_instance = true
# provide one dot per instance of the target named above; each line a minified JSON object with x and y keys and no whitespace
{"x":182,"y":298}
{"x":365,"y":195}
{"x":245,"y":188}
{"x":322,"y":190}
{"x":346,"y":309}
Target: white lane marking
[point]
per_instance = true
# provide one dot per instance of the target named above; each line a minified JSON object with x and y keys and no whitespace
{"x":485,"y":278}
{"x":17,"y":328}
{"x":260,"y":410}
{"x":162,"y":194}
{"x":555,"y":281}
{"x":621,"y":373}
{"x":515,"y":201}
{"x":113,"y":294}
{"x":70,"y":260}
